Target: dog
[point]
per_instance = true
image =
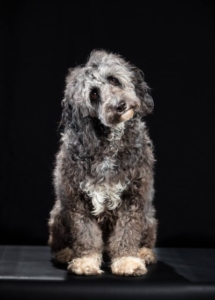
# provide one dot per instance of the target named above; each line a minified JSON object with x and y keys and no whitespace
{"x":103,"y":176}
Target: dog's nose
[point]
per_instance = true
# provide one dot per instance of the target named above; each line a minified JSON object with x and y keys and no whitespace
{"x":121,"y":107}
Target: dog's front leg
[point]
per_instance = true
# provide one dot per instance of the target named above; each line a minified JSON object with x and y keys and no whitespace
{"x":86,"y":244}
{"x":124,"y":244}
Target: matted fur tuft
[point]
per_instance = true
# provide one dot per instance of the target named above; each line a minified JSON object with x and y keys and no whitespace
{"x":103,"y":176}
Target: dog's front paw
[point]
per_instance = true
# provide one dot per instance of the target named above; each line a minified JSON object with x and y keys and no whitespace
{"x":86,"y":265}
{"x":128,"y":266}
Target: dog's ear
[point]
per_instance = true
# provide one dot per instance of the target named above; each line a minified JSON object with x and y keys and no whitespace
{"x":66,"y":116}
{"x":142,"y":90}
{"x":67,"y":112}
{"x":71,"y":115}
{"x":69,"y":108}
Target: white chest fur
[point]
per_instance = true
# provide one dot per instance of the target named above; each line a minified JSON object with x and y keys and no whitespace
{"x":104,"y":195}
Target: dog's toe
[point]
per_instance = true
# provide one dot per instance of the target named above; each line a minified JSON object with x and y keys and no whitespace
{"x":128,"y":266}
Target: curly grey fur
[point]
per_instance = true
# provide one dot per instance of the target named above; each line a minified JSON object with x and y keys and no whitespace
{"x":104,"y":170}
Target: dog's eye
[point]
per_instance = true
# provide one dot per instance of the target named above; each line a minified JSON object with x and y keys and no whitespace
{"x":114,"y":81}
{"x":94,"y":94}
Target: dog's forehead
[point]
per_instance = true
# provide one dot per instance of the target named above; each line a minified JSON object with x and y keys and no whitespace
{"x":99,"y":74}
{"x":94,"y":75}
{"x":102,"y":64}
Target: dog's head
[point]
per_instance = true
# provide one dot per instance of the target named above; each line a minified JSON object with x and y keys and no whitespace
{"x":107,"y":88}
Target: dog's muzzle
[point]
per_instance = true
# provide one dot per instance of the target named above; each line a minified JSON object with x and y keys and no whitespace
{"x":122,"y":111}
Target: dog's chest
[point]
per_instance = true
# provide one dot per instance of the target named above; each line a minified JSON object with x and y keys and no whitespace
{"x":106,"y":191}
{"x":107,"y":183}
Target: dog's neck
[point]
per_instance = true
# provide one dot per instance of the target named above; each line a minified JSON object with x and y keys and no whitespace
{"x":115,"y":135}
{"x":110,"y":136}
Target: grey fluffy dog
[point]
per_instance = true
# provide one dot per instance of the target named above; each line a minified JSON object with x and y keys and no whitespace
{"x":104,"y":170}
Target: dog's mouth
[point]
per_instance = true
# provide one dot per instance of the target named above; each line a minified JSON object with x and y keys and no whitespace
{"x":127,"y":115}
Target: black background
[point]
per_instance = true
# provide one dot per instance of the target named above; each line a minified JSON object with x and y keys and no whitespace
{"x":172,"y":42}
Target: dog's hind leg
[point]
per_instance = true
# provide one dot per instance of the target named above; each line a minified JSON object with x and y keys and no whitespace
{"x":148,"y":241}
{"x":147,"y":255}
{"x":64,"y":256}
{"x":59,"y":235}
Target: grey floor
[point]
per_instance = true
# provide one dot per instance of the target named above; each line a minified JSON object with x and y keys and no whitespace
{"x":176,"y":264}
